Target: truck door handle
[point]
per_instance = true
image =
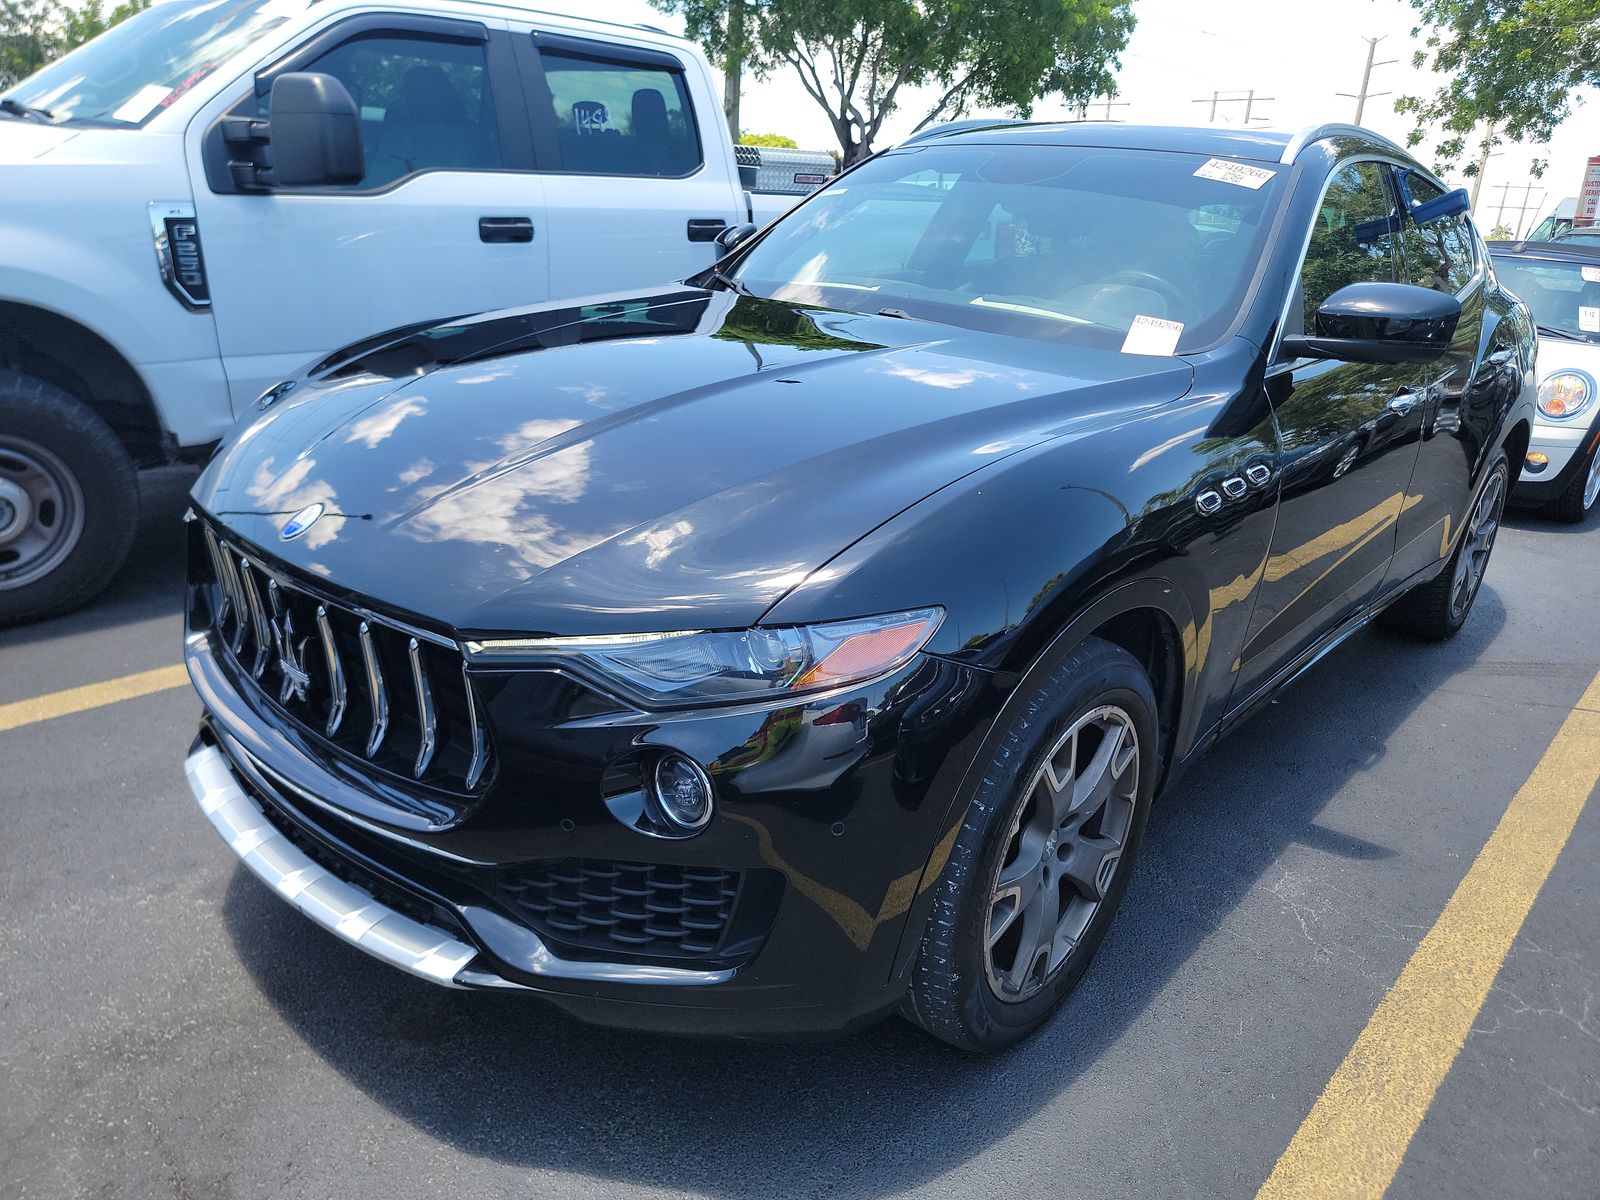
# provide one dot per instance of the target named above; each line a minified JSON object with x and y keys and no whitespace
{"x":705,"y":229}
{"x":1404,"y":401}
{"x":505,"y":229}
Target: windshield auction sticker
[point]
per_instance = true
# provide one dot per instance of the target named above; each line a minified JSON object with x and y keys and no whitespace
{"x":1588,"y":321}
{"x":1152,"y":335}
{"x":1237,"y":173}
{"x":1591,"y":274}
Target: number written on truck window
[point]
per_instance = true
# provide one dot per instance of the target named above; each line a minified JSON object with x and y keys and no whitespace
{"x":620,"y":120}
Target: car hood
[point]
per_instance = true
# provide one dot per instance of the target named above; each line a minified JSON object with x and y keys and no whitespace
{"x":23,"y":140}
{"x":1559,"y":354}
{"x":671,"y":461}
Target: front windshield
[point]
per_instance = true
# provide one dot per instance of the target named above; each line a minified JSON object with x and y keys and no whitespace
{"x":1563,"y":296}
{"x":136,"y":68}
{"x":1061,"y":243}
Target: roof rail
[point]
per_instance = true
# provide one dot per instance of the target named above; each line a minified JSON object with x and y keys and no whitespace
{"x":949,"y":127}
{"x":1315,"y":133}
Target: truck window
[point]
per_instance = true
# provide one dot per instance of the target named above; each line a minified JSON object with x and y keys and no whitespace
{"x":426,"y":105}
{"x":616,"y":119}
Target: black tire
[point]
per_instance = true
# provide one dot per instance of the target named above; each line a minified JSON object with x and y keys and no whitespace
{"x":55,"y":447}
{"x":950,"y":993}
{"x":1574,"y":504}
{"x":1434,"y":612}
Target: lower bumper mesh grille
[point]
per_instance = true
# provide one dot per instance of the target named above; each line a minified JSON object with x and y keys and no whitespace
{"x":647,"y":908}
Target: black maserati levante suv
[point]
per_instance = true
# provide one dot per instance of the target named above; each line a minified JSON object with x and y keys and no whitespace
{"x":807,"y":640}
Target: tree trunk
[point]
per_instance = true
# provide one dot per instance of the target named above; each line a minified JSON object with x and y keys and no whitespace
{"x":733,"y":67}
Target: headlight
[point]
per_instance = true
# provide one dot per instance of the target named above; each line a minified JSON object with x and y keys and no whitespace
{"x":748,"y":664}
{"x":1565,"y":394}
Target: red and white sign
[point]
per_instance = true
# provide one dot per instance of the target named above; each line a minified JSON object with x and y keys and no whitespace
{"x":1589,"y":197}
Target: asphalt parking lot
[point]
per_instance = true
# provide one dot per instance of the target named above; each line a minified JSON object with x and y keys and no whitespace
{"x":169,"y":1028}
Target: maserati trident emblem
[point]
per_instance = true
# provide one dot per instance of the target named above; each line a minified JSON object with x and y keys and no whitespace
{"x":291,"y":659}
{"x":301,"y":521}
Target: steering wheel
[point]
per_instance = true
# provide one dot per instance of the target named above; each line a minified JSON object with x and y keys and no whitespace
{"x":1168,"y":291}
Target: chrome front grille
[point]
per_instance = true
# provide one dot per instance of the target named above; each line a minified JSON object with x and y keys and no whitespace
{"x":392,"y":696}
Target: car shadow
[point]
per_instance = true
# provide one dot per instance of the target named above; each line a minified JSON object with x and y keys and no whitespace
{"x":500,"y":1077}
{"x":1534,"y":521}
{"x":150,"y":583}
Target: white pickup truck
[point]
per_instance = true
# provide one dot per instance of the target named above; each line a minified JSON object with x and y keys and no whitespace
{"x":215,"y":192}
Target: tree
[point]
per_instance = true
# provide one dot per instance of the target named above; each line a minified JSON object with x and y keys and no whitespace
{"x":725,"y":31}
{"x":856,"y":58}
{"x":1514,"y":64}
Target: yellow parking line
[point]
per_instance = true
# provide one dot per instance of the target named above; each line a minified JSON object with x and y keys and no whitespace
{"x":1352,"y":1142}
{"x":92,"y":695}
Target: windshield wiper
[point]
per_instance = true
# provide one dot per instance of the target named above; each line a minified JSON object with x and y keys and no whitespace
{"x":1564,"y":334}
{"x":26,"y":111}
{"x":728,"y":282}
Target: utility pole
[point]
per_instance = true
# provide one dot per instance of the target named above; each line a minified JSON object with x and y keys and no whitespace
{"x":1249,"y":99}
{"x":1500,"y":212}
{"x":1364,"y":95}
{"x":1483,"y":165}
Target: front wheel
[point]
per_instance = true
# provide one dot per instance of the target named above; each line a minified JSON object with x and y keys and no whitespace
{"x":1438,"y":609}
{"x":69,"y":500}
{"x":1043,"y":856}
{"x":1573,"y":505}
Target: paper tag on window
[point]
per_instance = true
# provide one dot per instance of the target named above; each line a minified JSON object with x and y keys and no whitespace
{"x":1591,"y":274}
{"x":143,"y":102}
{"x":1588,"y":320}
{"x":1152,"y":335}
{"x":1237,"y":173}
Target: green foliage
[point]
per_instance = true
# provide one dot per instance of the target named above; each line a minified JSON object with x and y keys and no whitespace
{"x":36,"y":32}
{"x":856,"y":58}
{"x":1513,"y":65}
{"x":776,"y":140}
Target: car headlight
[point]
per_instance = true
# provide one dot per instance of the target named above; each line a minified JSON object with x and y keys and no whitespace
{"x":692,"y":667}
{"x":1565,"y":394}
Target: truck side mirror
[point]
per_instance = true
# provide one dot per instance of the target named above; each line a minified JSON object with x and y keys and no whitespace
{"x":315,"y":131}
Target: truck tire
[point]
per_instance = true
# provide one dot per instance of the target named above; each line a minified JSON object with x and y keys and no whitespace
{"x":69,"y":500}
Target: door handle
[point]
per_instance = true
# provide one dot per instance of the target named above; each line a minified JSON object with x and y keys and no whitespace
{"x":705,"y":229}
{"x":505,"y":229}
{"x":1405,"y":400}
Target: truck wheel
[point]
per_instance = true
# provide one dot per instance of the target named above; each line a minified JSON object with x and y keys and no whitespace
{"x":69,"y":500}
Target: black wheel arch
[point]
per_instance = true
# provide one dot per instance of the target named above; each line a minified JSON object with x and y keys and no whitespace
{"x":68,"y":355}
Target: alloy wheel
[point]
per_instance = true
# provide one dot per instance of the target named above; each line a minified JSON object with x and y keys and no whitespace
{"x":1477,"y":545}
{"x":1591,"y":489}
{"x":41,"y":512}
{"x":1063,"y":850}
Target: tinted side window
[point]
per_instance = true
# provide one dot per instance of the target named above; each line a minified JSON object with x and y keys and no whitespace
{"x":425,"y":105}
{"x":1353,"y":239}
{"x":1438,"y":254}
{"x":613,"y":119}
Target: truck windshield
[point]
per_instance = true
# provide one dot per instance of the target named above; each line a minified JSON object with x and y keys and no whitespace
{"x":1563,"y":296}
{"x":1087,"y":245}
{"x":136,"y":68}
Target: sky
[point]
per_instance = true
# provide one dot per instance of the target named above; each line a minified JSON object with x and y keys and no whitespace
{"x":1300,"y":55}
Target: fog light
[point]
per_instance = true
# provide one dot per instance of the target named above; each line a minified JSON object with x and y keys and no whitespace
{"x":1537,"y":462}
{"x":683,"y":792}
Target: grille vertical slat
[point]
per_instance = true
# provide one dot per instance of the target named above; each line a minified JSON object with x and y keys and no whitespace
{"x":376,"y":693}
{"x":336,"y":689}
{"x":427,"y":718}
{"x":269,"y":622}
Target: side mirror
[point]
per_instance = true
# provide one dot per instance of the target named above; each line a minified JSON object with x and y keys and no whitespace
{"x":1380,"y":323}
{"x":733,"y":236}
{"x":314,"y":129}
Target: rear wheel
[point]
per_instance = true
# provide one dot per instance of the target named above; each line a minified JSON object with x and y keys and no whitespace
{"x":1438,"y":609}
{"x":69,"y":500}
{"x":1573,"y":505}
{"x":1043,"y":857}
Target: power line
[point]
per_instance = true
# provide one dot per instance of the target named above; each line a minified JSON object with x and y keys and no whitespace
{"x":1098,"y":102}
{"x":1364,"y":95}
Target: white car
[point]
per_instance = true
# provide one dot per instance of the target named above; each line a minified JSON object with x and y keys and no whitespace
{"x":1561,"y":284}
{"x":215,"y":192}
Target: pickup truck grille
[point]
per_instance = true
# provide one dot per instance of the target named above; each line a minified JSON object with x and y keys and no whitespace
{"x":391,"y":696}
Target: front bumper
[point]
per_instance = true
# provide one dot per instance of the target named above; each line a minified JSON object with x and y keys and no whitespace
{"x":1568,"y":448}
